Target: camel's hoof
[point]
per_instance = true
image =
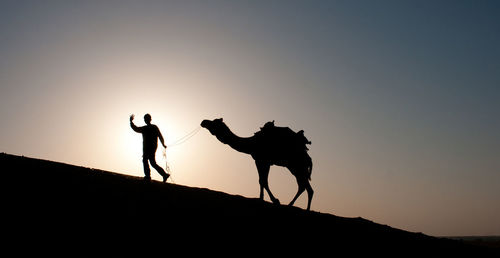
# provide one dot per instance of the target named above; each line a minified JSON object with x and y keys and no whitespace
{"x":276,"y":201}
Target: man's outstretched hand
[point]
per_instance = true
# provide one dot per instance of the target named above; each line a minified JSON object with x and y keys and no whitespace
{"x":131,"y":117}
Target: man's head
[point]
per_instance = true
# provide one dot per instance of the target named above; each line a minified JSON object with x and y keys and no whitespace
{"x":147,"y":119}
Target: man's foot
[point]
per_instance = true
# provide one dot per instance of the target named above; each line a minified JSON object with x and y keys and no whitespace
{"x":165,"y":178}
{"x":147,"y":178}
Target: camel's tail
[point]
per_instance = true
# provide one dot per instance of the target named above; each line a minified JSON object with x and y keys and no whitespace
{"x":309,"y":168}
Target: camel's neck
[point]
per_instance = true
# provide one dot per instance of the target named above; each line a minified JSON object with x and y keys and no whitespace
{"x":245,"y":145}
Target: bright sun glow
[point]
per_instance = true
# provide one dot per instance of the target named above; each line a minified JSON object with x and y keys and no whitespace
{"x":403,"y":120}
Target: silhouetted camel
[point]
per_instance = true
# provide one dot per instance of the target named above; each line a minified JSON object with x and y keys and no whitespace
{"x":271,"y":146}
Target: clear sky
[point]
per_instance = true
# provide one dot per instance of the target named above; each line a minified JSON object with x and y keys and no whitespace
{"x":401,"y":99}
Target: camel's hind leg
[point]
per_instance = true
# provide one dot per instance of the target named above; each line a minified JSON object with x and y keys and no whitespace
{"x":310,"y":193}
{"x":303,"y":184}
{"x":299,"y":192}
{"x":263,"y":169}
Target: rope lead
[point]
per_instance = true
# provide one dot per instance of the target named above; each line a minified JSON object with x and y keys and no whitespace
{"x":180,"y":141}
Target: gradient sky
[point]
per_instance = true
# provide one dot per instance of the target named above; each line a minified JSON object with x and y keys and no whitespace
{"x":401,"y":99}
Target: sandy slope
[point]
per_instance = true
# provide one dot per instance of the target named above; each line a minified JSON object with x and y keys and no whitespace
{"x":57,"y":206}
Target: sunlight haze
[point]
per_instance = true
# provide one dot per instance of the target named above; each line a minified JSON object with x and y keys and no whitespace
{"x":399,"y":98}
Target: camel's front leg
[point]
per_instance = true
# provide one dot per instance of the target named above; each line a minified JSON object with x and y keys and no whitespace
{"x":261,"y":191}
{"x":263,"y":169}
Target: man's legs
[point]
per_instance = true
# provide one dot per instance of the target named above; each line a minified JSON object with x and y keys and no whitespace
{"x":160,"y":170}
{"x":147,"y":171}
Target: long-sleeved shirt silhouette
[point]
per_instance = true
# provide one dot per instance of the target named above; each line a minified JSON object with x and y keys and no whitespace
{"x":150,"y":134}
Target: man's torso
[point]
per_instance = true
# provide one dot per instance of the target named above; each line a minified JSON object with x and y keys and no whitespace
{"x":150,"y":137}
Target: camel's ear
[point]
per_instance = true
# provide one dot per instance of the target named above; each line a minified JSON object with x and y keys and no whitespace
{"x":218,"y":120}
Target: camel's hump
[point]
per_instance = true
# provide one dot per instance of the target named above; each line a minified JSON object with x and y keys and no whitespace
{"x":282,"y":137}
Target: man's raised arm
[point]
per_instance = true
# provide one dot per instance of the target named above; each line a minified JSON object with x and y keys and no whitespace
{"x":134,"y":127}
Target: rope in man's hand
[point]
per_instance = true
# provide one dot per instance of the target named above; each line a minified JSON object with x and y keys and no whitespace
{"x":167,"y":168}
{"x":180,"y":141}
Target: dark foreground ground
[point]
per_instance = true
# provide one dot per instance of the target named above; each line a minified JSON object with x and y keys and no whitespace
{"x":51,"y":207}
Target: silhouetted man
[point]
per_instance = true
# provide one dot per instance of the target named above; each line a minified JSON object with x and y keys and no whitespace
{"x":150,"y":134}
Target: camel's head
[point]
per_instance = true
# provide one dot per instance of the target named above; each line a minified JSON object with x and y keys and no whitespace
{"x":215,"y":126}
